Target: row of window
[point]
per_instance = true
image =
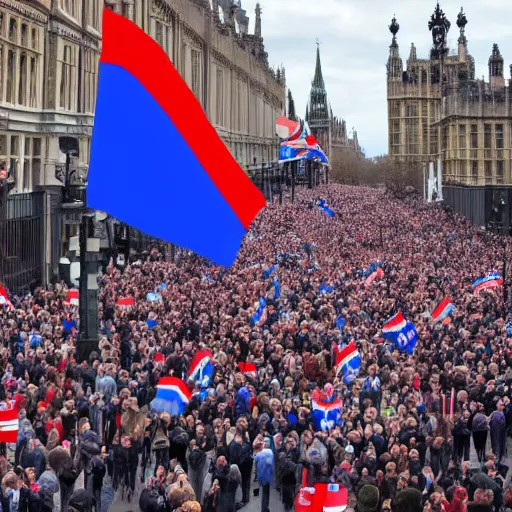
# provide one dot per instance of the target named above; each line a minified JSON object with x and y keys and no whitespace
{"x":459,"y":137}
{"x":462,"y":169}
{"x":19,"y":76}
{"x":23,"y":157}
{"x":18,"y":32}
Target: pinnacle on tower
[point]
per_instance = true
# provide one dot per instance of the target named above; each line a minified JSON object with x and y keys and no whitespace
{"x":257,"y":25}
{"x":412,"y":55}
{"x":318,"y":80}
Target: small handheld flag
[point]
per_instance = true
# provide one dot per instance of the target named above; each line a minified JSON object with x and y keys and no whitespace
{"x":443,"y":310}
{"x":187,"y":189}
{"x":9,"y":423}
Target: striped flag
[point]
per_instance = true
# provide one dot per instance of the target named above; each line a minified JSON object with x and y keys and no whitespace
{"x":443,"y":310}
{"x":9,"y":425}
{"x":73,"y":297}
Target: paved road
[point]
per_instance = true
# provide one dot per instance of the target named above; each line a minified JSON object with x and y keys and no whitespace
{"x":253,"y":506}
{"x":275,"y":502}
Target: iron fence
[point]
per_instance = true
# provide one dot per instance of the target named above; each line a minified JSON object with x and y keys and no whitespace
{"x":22,"y":247}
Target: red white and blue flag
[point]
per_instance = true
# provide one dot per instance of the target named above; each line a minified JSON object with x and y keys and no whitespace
{"x":493,"y":280}
{"x":401,"y":332}
{"x":443,"y":310}
{"x":348,"y":361}
{"x":172,"y":396}
{"x":201,"y":368}
{"x":187,"y":188}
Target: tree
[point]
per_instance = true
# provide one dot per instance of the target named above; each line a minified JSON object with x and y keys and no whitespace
{"x":380,"y":171}
{"x":291,"y":107}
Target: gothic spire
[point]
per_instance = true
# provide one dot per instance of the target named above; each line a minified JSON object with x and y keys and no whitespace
{"x":318,"y":80}
{"x":257,"y":25}
{"x":412,"y":55}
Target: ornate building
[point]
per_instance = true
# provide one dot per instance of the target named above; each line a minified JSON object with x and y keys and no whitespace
{"x":439,"y":112}
{"x":330,"y":131}
{"x":49,"y":54}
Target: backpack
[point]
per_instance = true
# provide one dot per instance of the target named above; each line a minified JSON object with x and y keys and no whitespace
{"x":160,"y":441}
{"x":286,"y":465}
{"x":197,"y":459}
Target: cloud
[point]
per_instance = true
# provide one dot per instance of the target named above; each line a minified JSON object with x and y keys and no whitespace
{"x":354,"y":49}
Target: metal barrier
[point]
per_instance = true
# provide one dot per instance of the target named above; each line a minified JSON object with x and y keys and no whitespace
{"x":21,"y":247}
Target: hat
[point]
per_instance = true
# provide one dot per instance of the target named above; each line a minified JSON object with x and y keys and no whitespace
{"x":159,"y":357}
{"x":368,"y":499}
{"x":42,"y":405}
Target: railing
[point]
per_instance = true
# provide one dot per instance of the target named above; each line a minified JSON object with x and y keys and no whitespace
{"x":21,"y":241}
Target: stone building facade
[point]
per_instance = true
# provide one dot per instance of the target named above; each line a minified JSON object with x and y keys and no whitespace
{"x":49,"y":56}
{"x":330,"y":131}
{"x":439,"y":112}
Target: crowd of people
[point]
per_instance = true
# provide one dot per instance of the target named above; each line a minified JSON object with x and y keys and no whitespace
{"x":88,"y":436}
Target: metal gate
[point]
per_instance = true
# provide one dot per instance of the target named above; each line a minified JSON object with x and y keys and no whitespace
{"x":22,"y":248}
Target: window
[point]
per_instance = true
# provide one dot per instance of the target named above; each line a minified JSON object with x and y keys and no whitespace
{"x":487,"y":136}
{"x":9,"y":97}
{"x":14,"y":153}
{"x":35,"y":44}
{"x":434,"y":149}
{"x":1,"y":24}
{"x":36,"y":147}
{"x":499,"y":136}
{"x":33,"y":82}
{"x":411,"y":110}
{"x":220,"y":97}
{"x":196,"y":73}
{"x":394,"y":109}
{"x":24,"y":34}
{"x":474,"y":136}
{"x":444,"y":138}
{"x":474,"y":168}
{"x":500,"y":172}
{"x":488,"y":168}
{"x":423,"y":76}
{"x":66,"y":79}
{"x":89,"y":81}
{"x":95,"y":14}
{"x":22,"y":85}
{"x":3,"y":145}
{"x":462,"y":136}
{"x":159,"y":33}
{"x":412,"y":136}
{"x":13,"y":31}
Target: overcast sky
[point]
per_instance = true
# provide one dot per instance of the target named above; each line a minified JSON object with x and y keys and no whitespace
{"x":354,"y":48}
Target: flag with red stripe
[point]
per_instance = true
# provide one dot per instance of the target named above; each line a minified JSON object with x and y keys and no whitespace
{"x":9,"y":425}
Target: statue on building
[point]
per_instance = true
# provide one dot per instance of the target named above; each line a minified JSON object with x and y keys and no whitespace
{"x":462,"y":21}
{"x":394,"y":27}
{"x":439,"y":26}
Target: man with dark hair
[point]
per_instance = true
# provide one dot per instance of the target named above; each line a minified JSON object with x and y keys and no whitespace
{"x":407,"y":500}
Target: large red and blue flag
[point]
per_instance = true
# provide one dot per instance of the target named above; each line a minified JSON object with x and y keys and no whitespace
{"x":156,"y":161}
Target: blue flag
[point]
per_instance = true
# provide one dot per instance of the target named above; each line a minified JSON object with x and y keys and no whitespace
{"x":277,"y":288}
{"x":267,"y":273}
